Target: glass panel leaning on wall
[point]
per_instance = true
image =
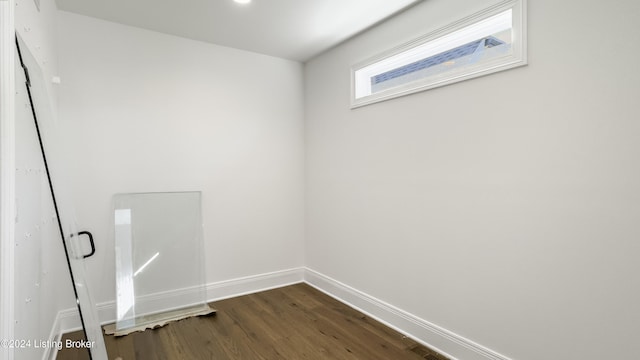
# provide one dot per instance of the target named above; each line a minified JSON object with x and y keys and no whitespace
{"x":489,"y":41}
{"x":160,"y":269}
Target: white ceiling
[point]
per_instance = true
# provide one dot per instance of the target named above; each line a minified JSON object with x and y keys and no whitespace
{"x":290,"y":29}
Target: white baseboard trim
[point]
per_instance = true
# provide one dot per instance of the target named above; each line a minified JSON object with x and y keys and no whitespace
{"x":68,"y":320}
{"x":252,"y":284}
{"x":442,"y":340}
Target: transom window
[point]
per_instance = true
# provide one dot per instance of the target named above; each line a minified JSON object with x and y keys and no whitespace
{"x":486,"y":42}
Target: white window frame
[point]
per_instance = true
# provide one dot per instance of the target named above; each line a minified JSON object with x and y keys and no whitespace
{"x":443,"y":39}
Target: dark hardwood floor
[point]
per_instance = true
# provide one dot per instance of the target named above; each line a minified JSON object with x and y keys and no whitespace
{"x":294,"y":322}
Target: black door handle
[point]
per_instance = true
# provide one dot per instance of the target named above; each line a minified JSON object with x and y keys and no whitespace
{"x":93,"y":245}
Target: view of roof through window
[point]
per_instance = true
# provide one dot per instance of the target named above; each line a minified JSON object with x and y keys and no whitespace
{"x":486,"y":42}
{"x":475,"y":47}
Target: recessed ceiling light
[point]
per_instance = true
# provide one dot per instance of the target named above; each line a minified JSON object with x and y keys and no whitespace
{"x":242,"y":1}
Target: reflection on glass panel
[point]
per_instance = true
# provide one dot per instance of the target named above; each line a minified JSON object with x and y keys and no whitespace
{"x":159,"y":258}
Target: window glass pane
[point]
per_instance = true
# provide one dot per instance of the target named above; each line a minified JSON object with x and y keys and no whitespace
{"x":485,"y":41}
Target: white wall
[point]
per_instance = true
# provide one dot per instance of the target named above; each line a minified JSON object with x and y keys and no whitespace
{"x":145,"y":112}
{"x":504,"y":208}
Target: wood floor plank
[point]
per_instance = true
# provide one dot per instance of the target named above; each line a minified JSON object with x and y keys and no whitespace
{"x":293,"y":322}
{"x":123,"y":345}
